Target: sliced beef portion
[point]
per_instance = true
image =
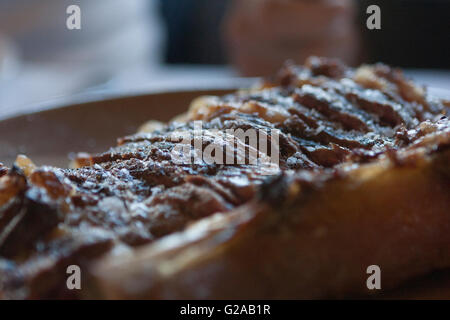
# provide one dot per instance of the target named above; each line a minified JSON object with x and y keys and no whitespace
{"x":328,"y":120}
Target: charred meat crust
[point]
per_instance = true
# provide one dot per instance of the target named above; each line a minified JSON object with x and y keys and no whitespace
{"x":333,"y":121}
{"x":313,"y":236}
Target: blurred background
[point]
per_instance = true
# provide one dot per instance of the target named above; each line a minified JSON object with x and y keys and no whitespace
{"x":128,"y":46}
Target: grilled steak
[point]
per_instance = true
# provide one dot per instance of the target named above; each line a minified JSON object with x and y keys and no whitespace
{"x":362,"y":178}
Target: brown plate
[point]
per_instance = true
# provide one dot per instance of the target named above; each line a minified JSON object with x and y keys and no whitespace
{"x":49,"y":136}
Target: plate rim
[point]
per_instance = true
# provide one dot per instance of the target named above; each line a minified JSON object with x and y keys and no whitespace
{"x":88,"y":97}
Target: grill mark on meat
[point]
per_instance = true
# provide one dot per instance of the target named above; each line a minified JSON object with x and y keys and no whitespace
{"x":321,"y":100}
{"x":322,"y":129}
{"x":387,"y":112}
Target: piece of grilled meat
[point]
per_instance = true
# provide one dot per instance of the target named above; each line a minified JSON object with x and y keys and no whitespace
{"x":363,"y":179}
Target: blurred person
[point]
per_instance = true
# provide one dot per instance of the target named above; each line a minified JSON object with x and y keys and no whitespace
{"x":8,"y":59}
{"x":261,"y":34}
{"x":110,"y":28}
{"x":115,"y":35}
{"x":258,"y":35}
